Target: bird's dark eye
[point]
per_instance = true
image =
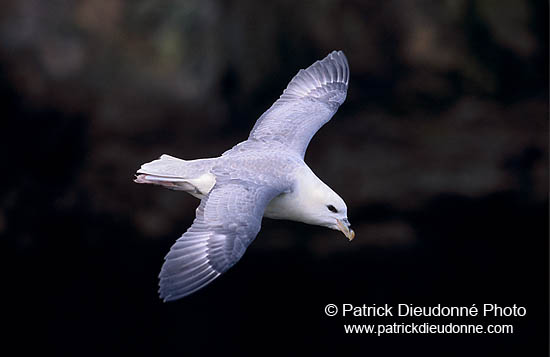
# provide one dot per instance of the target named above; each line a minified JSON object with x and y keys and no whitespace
{"x":332,"y":208}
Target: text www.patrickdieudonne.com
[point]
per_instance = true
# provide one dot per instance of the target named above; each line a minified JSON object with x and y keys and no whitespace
{"x":426,"y":328}
{"x":437,"y":311}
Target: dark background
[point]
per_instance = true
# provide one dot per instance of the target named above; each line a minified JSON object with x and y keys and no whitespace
{"x":440,"y":151}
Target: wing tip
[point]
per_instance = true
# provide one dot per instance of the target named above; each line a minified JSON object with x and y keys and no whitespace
{"x":167,"y":292}
{"x":340,"y":58}
{"x":187,"y":266}
{"x":333,"y":70}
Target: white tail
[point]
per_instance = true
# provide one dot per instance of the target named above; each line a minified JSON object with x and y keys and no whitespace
{"x":192,"y":176}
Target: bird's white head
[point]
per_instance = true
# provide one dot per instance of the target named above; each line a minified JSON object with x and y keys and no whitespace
{"x":328,"y":209}
{"x":316,"y":203}
{"x":312,"y":202}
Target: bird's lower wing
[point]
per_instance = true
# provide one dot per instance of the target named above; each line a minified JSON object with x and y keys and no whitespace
{"x":226,"y":222}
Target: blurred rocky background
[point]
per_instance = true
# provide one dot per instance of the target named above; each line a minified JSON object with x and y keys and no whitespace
{"x":440,"y":150}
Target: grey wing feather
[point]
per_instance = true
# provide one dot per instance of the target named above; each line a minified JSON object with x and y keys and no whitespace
{"x":309,"y":101}
{"x":226,"y":222}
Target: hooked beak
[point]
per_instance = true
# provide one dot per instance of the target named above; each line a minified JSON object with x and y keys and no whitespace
{"x":344,"y":227}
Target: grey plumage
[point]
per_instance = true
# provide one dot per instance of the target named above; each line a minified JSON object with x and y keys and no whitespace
{"x":237,"y":187}
{"x":309,"y":101}
{"x":226,"y":222}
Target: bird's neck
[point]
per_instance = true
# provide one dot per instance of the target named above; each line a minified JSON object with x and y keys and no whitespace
{"x":297,"y":204}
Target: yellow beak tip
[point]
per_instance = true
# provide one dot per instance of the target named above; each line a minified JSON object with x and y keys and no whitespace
{"x":349,"y":233}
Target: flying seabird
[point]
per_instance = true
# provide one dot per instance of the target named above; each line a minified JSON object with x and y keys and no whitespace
{"x":263,"y":176}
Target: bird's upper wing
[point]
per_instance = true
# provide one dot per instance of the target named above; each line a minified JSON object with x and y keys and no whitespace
{"x":309,"y":101}
{"x":226,"y":222}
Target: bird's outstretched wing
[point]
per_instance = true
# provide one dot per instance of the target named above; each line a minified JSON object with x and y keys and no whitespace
{"x":227,"y":221}
{"x":309,"y":101}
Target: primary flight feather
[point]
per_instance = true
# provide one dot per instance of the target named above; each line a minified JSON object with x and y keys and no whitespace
{"x":263,"y":176}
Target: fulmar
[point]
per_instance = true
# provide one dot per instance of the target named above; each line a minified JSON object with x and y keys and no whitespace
{"x":263,"y":176}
